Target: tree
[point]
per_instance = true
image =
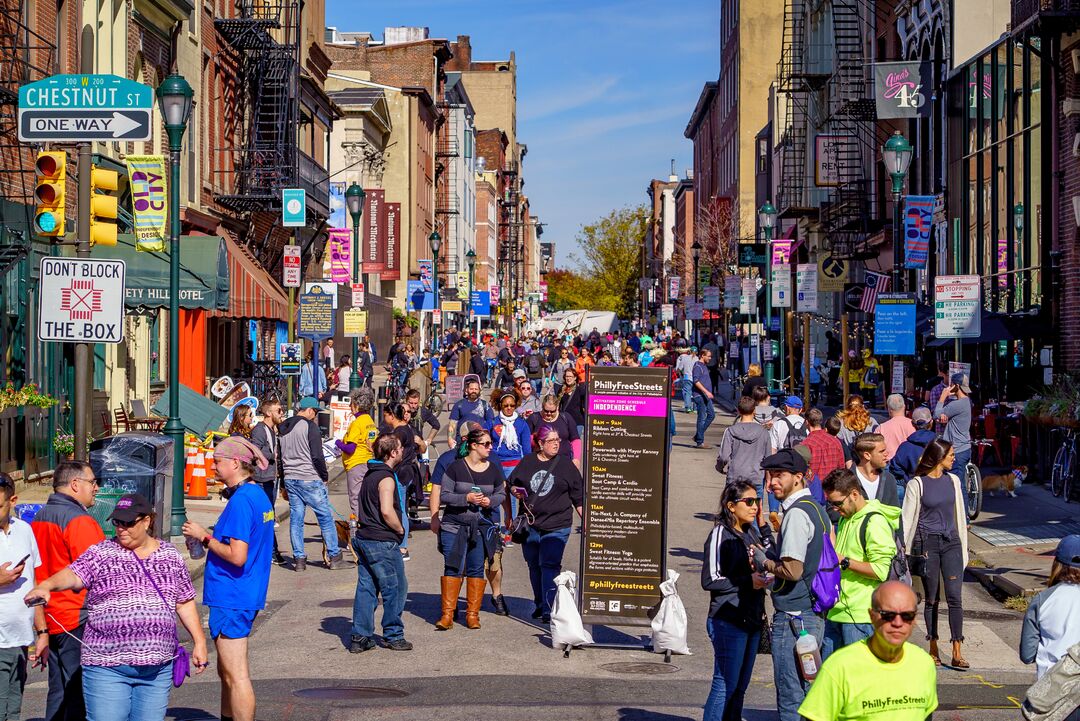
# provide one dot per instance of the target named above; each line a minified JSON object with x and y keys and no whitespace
{"x":716,"y":229}
{"x":609,"y":263}
{"x":567,"y":290}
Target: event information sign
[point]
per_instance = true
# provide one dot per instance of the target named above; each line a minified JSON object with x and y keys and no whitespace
{"x":623,"y":548}
{"x":894,"y":324}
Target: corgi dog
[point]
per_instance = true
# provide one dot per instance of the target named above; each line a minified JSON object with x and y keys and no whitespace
{"x":1007,"y":482}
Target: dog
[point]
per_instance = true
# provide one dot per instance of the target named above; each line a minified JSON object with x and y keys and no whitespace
{"x":1007,"y":482}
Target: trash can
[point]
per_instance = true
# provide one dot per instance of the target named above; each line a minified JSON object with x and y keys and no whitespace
{"x":133,"y":463}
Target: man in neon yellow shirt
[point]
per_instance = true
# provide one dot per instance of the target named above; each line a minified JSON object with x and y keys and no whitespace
{"x":865,"y":546}
{"x":882,"y":678}
{"x":356,"y":445}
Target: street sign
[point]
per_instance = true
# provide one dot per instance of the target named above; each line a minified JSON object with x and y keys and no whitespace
{"x":436,"y":317}
{"x":894,"y":324}
{"x":316,"y":315}
{"x":81,"y":300}
{"x":293,"y":208}
{"x":732,"y":291}
{"x":289,"y":358}
{"x":481,"y":303}
{"x":897,"y":385}
{"x":957,"y":306}
{"x":667,"y":312}
{"x":748,"y":296}
{"x":451,"y":306}
{"x":806,"y":288}
{"x":354,"y":323}
{"x":357,"y":295}
{"x":290,"y":260}
{"x":711,"y":298}
{"x":694,"y":310}
{"x":832,"y":273}
{"x":781,"y":287}
{"x":85,"y":108}
{"x":753,"y":254}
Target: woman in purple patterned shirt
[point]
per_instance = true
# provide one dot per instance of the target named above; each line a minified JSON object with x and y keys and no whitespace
{"x":135,"y":584}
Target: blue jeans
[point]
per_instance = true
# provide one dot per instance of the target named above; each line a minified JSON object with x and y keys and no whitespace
{"x":687,"y":394}
{"x":706,"y":414}
{"x":962,"y":459}
{"x":537,"y":384}
{"x":313,"y":495}
{"x":463,"y":552}
{"x":381,"y":572}
{"x":839,"y":634}
{"x":790,"y":688}
{"x":543,"y":552}
{"x":734,"y":653}
{"x":127,"y":693}
{"x":404,"y":516}
{"x":65,"y":699}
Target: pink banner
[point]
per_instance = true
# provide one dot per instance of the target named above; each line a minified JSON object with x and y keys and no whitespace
{"x":781,"y":251}
{"x":628,"y":406}
{"x":1003,"y":262}
{"x":340,"y":255}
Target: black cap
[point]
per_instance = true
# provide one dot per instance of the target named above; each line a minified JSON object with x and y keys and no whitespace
{"x":131,"y":506}
{"x":786,"y":459}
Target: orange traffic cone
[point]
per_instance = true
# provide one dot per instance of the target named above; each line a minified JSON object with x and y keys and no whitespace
{"x":197,"y":490}
{"x":211,"y":469}
{"x":189,"y":468}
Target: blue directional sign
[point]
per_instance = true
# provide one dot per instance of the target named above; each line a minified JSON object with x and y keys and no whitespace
{"x":293,"y":208}
{"x":85,"y":108}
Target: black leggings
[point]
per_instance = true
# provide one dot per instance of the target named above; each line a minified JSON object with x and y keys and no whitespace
{"x":944,"y":560}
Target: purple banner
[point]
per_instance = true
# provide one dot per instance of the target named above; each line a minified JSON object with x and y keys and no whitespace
{"x":918,"y":223}
{"x":628,"y":406}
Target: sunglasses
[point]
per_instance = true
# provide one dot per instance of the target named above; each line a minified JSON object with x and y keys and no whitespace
{"x":890,"y":616}
{"x":485,"y":444}
{"x":117,"y":523}
{"x":840,"y":503}
{"x":552,"y":440}
{"x":750,"y":501}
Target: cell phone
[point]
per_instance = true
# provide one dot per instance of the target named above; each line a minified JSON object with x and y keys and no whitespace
{"x":475,"y":489}
{"x":23,"y":560}
{"x":38,"y":601}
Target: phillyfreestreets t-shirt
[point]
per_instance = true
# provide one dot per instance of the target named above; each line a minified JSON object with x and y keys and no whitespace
{"x":247,"y":517}
{"x":555,"y":489}
{"x":856,"y":684}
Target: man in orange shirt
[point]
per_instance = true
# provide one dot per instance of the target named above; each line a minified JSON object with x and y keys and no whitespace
{"x":64,"y":530}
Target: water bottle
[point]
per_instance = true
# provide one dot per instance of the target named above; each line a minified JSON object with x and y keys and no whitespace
{"x":352,"y":525}
{"x":194,"y":548}
{"x":807,"y":656}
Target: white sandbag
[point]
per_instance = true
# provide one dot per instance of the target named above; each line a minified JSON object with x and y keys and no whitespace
{"x":566,"y":626}
{"x":669,"y":623}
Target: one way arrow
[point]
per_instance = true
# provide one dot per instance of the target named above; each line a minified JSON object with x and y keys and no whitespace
{"x":107,"y":124}
{"x":122,"y":125}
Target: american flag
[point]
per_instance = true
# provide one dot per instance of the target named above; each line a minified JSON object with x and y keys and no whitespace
{"x":875,"y":283}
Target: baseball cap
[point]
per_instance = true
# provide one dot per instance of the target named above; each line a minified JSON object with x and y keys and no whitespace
{"x":309,"y":402}
{"x":786,"y":459}
{"x":922,"y":416}
{"x":131,"y":506}
{"x":1068,"y":551}
{"x":793,"y":402}
{"x":518,"y":373}
{"x":959,"y":379}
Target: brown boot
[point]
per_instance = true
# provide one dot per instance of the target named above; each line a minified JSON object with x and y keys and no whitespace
{"x":451,"y":588}
{"x":474,"y":596}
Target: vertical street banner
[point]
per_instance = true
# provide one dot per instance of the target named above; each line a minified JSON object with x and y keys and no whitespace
{"x":704,"y":276}
{"x":1003,"y":263}
{"x":901,"y":89}
{"x":149,"y":200}
{"x":732,"y":291}
{"x":340,"y":255}
{"x":673,"y":287}
{"x":918,"y":223}
{"x":781,"y":252}
{"x":543,"y":292}
{"x":339,"y":211}
{"x":711,"y":298}
{"x":427,"y":274}
{"x":392,"y":235}
{"x":806,"y":299}
{"x":624,"y":542}
{"x":374,"y":257}
{"x":494,"y":292}
{"x":667,"y":312}
{"x":462,"y":284}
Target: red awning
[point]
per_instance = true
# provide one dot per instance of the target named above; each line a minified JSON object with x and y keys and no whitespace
{"x":253,"y":293}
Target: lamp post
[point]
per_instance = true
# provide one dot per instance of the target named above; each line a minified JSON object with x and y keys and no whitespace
{"x":174,"y":96}
{"x":436,"y":242}
{"x":896,"y":154}
{"x":470,"y":260}
{"x":767,"y":220}
{"x":695,"y":253}
{"x":354,"y":200}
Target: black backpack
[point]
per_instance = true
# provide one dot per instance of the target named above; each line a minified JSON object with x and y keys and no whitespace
{"x":898,"y":568}
{"x":796,"y":434}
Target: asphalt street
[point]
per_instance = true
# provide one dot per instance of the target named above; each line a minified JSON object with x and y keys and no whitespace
{"x":508,"y":670}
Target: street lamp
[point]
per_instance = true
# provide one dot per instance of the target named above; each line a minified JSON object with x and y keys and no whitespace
{"x":470,"y":259}
{"x":1018,"y":221}
{"x":354,"y":200}
{"x":896,"y":154}
{"x":174,"y":97}
{"x":767,"y":221}
{"x":436,"y":243}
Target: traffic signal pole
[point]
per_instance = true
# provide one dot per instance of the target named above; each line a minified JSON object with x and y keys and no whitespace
{"x":82,"y":350}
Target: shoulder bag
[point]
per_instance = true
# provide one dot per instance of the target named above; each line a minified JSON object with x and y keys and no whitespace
{"x":182,"y":661}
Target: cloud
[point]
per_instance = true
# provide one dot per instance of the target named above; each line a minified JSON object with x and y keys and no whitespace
{"x":570,"y":97}
{"x":586,"y":129}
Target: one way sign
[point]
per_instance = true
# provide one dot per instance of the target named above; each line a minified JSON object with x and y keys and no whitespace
{"x":85,"y":125}
{"x":84,"y":108}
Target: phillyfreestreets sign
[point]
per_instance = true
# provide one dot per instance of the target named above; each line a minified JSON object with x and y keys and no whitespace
{"x":85,"y":108}
{"x":81,"y":300}
{"x":623,"y":546}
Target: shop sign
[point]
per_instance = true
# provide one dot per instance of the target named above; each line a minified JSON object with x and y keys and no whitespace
{"x":623,"y":545}
{"x":753,"y":255}
{"x":832,"y":273}
{"x":957,"y":306}
{"x":900,"y":89}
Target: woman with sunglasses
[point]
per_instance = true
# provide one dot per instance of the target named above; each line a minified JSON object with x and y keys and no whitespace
{"x":509,"y":431}
{"x":562,"y":423}
{"x":737,"y":606}
{"x":127,"y":658}
{"x":472,"y":489}
{"x":572,"y":399}
{"x":936,"y":535}
{"x":551,"y":489}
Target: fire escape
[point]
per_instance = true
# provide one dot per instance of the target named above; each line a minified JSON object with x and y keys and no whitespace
{"x":265,"y":35}
{"x":448,"y":203}
{"x":511,"y":247}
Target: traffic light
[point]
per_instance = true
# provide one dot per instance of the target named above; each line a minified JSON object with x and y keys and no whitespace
{"x":103,"y":207}
{"x":51,"y":168}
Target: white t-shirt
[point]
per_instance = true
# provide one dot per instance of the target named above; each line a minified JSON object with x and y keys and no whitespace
{"x":16,"y":620}
{"x":870,"y":488}
{"x":796,"y":529}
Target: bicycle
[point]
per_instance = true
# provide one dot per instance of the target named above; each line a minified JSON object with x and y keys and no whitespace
{"x":973,"y":495}
{"x":1064,"y":469}
{"x":780,"y":393}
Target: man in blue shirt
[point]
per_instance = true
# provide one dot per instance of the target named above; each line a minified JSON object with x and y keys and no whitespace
{"x":237,"y":573}
{"x":703,"y":397}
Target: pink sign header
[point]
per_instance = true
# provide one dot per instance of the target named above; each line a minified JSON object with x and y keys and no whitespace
{"x":628,"y":406}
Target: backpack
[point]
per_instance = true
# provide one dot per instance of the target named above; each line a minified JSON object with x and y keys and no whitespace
{"x":795,"y":434}
{"x":825,"y":585}
{"x":898,"y":567}
{"x":532,"y":363}
{"x":870,"y":376}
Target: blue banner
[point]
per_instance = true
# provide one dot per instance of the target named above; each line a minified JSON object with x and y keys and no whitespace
{"x":416,"y":298}
{"x":481,"y":303}
{"x":894,"y":324}
{"x":918,"y":223}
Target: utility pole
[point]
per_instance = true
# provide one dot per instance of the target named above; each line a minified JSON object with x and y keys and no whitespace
{"x":82,"y":350}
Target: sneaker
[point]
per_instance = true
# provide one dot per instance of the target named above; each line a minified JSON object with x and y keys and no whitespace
{"x":278,"y":558}
{"x":361,"y":644}
{"x":338,"y":562}
{"x":546,"y":618}
{"x":537,"y":613}
{"x":405,"y":554}
{"x":399,"y":644}
{"x":299,"y":564}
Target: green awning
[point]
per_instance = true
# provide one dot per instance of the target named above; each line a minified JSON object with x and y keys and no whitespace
{"x":204,"y":272}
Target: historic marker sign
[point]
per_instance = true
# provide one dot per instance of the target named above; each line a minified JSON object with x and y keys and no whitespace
{"x":316,"y":320}
{"x":624,"y":546}
{"x":81,"y":300}
{"x":85,"y":108}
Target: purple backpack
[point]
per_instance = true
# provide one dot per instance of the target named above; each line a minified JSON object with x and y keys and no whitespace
{"x":825,"y":584}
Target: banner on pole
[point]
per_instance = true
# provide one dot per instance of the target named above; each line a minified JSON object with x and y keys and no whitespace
{"x":673,"y":287}
{"x":373,"y":241}
{"x":898,"y":89}
{"x":494,"y":292}
{"x":149,"y":200}
{"x":340,"y":255}
{"x":391,"y":230}
{"x":781,"y":251}
{"x":427,"y":274}
{"x":462,"y":284}
{"x":918,"y":222}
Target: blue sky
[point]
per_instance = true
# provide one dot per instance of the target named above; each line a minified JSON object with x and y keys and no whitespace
{"x":605,"y":88}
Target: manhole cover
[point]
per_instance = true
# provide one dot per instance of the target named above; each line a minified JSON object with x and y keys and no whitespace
{"x":349,"y":693}
{"x":642,"y":668}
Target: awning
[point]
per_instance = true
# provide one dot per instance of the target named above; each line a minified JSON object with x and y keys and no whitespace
{"x":204,"y":272}
{"x":252,"y":292}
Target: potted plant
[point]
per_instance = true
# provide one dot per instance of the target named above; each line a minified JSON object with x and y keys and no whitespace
{"x":64,"y":444}
{"x":26,"y":395}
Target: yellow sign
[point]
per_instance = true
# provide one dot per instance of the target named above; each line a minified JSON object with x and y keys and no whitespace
{"x":463,"y":284}
{"x":355,"y":323}
{"x":146,"y":176}
{"x":451,"y":306}
{"x":832,"y":273}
